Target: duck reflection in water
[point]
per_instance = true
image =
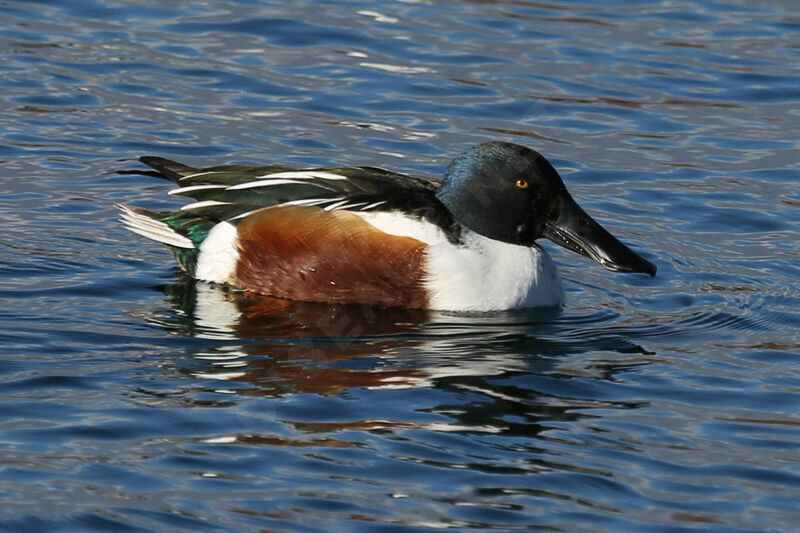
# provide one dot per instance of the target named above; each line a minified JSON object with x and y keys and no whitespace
{"x":285,"y":347}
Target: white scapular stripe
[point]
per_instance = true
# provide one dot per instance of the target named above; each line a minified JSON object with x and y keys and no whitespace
{"x":271,"y":182}
{"x":303,"y":174}
{"x":196,"y":174}
{"x":306,"y":202}
{"x":152,"y":229}
{"x":286,"y":178}
{"x":193,"y":188}
{"x":336,"y":205}
{"x":245,"y":215}
{"x":348,"y":206}
{"x":204,"y":203}
{"x":373,"y":205}
{"x":312,"y":201}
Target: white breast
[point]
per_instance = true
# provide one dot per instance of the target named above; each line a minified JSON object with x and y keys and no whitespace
{"x":489,"y":275}
{"x":481,"y":274}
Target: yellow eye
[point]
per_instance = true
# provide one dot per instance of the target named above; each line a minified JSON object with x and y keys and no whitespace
{"x":522,"y":184}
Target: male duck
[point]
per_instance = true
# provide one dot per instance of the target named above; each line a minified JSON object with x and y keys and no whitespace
{"x":370,"y":236}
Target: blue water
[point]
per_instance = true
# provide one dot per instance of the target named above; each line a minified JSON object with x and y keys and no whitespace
{"x":132,"y":399}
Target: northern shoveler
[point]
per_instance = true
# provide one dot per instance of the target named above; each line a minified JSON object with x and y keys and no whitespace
{"x":370,"y":236}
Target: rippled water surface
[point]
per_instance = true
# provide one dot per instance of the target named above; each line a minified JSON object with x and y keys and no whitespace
{"x":132,"y":399}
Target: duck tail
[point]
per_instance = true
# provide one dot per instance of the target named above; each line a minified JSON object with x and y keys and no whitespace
{"x":150,"y":224}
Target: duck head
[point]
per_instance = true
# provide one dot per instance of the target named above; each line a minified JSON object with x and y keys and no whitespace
{"x":511,"y":193}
